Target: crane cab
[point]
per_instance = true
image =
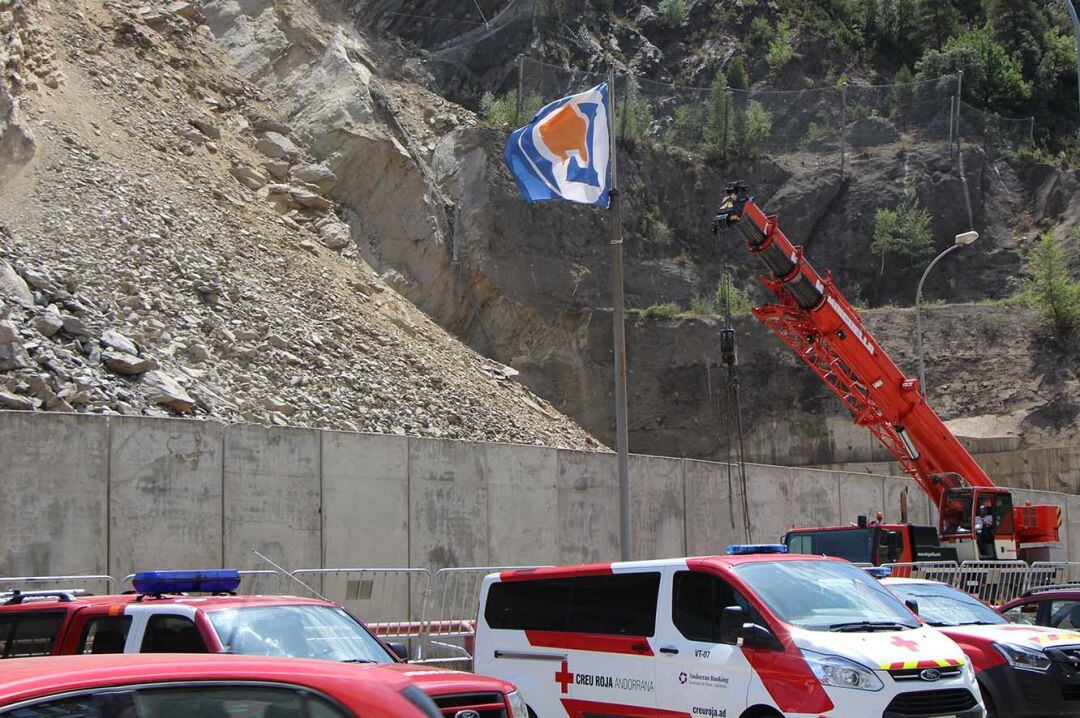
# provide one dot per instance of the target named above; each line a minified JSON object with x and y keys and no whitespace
{"x":978,"y":522}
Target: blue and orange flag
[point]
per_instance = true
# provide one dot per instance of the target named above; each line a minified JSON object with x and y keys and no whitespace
{"x":564,"y":152}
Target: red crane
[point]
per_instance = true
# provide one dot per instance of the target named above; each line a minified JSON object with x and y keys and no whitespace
{"x":813,"y":318}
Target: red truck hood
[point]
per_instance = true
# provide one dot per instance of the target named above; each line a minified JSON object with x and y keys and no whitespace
{"x":440,"y":681}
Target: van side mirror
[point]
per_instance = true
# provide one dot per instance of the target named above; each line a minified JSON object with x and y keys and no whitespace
{"x":755,"y":636}
{"x":912,"y":605}
{"x":731,"y":622}
{"x":399,"y":649}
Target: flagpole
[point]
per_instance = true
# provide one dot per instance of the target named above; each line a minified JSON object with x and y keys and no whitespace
{"x":619,"y":333}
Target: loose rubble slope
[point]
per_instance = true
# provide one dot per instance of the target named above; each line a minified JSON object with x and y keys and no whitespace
{"x":167,"y":247}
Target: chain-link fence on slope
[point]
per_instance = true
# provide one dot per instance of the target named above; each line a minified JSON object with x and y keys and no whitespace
{"x":727,"y":123}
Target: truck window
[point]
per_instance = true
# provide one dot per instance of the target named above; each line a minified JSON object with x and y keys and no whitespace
{"x":619,"y":604}
{"x":105,"y":634}
{"x":699,"y":600}
{"x":854,"y":544}
{"x":172,"y":634}
{"x":23,"y":635}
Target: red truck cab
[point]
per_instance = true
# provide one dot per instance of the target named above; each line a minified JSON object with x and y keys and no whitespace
{"x":872,"y":543}
{"x":161,"y":618}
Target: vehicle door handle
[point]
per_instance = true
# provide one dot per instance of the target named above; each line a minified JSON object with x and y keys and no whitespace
{"x":670,"y":650}
{"x":640,"y":647}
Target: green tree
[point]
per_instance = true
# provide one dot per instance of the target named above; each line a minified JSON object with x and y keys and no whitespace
{"x":780,"y":52}
{"x":718,"y":117}
{"x":1019,"y":26}
{"x":903,"y":92}
{"x":675,"y":13}
{"x":1050,"y":290}
{"x":760,"y":33}
{"x":1054,"y":90}
{"x":992,"y":77}
{"x":634,"y":113}
{"x":685,"y":129}
{"x":736,"y":74}
{"x":938,"y":20}
{"x":904,"y":233}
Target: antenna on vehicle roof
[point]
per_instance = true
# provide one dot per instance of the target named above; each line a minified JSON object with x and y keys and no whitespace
{"x":283,"y":572}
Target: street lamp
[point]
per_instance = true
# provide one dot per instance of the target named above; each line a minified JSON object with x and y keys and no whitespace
{"x":961,"y":240}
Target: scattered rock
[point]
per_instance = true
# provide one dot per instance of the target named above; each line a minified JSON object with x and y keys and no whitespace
{"x":48,"y":322}
{"x":14,"y":285}
{"x":277,"y":146}
{"x":128,"y":364}
{"x":115,"y":340}
{"x":205,"y":124}
{"x":162,"y":389}
{"x":12,"y":353}
{"x":13,"y":401}
{"x":75,"y":326}
{"x":310,"y":199}
{"x":250,"y":177}
{"x":335,"y":235}
{"x":318,"y":175}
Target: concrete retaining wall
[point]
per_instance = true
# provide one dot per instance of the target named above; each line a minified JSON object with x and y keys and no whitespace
{"x":95,"y":494}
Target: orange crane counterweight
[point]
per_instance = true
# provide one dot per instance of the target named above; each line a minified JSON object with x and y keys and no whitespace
{"x":813,"y":318}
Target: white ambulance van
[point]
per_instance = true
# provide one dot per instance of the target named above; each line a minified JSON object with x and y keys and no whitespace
{"x":753,"y":634}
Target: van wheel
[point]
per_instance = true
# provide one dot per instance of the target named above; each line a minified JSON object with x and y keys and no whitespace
{"x":761,"y":712}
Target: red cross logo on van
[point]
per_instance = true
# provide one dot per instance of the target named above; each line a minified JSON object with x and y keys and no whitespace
{"x":904,"y":643}
{"x":564,"y":677}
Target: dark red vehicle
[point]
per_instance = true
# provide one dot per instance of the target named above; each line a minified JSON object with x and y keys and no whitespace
{"x":1051,"y":606}
{"x":159,"y":617}
{"x":169,"y":686}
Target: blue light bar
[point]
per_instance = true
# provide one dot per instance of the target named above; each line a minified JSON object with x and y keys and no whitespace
{"x":878,"y":571}
{"x":222,"y":580}
{"x":750,"y":548}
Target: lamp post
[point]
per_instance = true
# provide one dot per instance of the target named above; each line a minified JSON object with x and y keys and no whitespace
{"x":959,"y":241}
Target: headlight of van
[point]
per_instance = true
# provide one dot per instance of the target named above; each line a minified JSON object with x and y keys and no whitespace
{"x":1024,"y":658}
{"x":518,"y":709}
{"x":842,"y":673}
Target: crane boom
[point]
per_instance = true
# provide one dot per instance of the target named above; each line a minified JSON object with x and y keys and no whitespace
{"x":814,"y":318}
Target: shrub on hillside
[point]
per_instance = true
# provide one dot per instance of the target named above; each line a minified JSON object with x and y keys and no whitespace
{"x":1050,"y":291}
{"x":904,"y":233}
{"x":675,"y":13}
{"x":780,"y":52}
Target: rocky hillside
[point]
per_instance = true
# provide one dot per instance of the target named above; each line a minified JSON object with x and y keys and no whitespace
{"x":168,"y":245}
{"x":230,"y":208}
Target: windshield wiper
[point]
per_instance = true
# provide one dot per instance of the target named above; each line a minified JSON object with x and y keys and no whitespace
{"x":357,"y":660}
{"x":853,"y":626}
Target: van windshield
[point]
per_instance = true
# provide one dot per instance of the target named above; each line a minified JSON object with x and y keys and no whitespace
{"x":826,"y":596}
{"x":297,"y":632}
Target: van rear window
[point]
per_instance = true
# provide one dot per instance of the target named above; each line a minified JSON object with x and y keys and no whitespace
{"x":33,"y":633}
{"x":618,"y":604}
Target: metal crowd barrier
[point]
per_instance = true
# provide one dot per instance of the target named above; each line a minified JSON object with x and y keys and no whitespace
{"x":390,"y":601}
{"x":449,"y":618}
{"x":994,"y":582}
